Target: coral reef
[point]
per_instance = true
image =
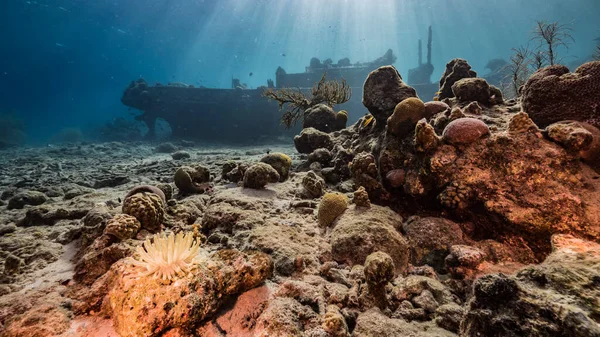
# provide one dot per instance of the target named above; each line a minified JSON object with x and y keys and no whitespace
{"x":259,"y":175}
{"x":323,"y":118}
{"x":490,"y":229}
{"x":553,"y":94}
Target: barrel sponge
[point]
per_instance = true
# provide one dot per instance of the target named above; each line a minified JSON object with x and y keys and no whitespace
{"x":554,"y":94}
{"x":406,"y":115}
{"x":331,"y":206}
{"x":122,"y":226}
{"x":281,"y":162}
{"x":148,"y":208}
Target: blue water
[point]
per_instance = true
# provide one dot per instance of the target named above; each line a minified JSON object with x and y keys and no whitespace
{"x":65,"y":63}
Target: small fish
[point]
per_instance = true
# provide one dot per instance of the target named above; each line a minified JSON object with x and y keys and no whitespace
{"x":283,"y":54}
{"x":437,"y":96}
{"x":368,"y":121}
{"x":59,"y":44}
{"x":250,"y":74}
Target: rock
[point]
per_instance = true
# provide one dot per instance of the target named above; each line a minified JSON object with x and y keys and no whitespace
{"x":227,"y":167}
{"x":148,"y":208}
{"x":449,"y":316}
{"x":321,"y":155}
{"x":281,"y":162}
{"x":259,"y":175}
{"x":464,"y":131}
{"x":179,"y":155}
{"x":7,"y":229}
{"x":360,"y":232}
{"x":473,"y":108}
{"x":424,"y":292}
{"x":592,"y":155}
{"x":77,"y":191}
{"x":383,"y":90}
{"x":165,"y":148}
{"x":122,"y":226}
{"x":323,"y":118}
{"x":311,"y":139}
{"x":12,"y":264}
{"x":313,"y":185}
{"x":187,"y":301}
{"x":433,"y":108}
{"x":361,"y":198}
{"x":237,"y":173}
{"x":571,"y":135}
{"x":405,"y":116}
{"x":553,"y":298}
{"x":167,"y":190}
{"x":331,"y":206}
{"x":21,"y":199}
{"x":192,"y":179}
{"x":472,"y":90}
{"x":99,"y":257}
{"x":430,"y":240}
{"x":554,"y":94}
{"x":373,"y":323}
{"x":285,"y":316}
{"x":112,"y":182}
{"x":44,"y":216}
{"x":396,"y":177}
{"x":94,"y":223}
{"x":456,"y":70}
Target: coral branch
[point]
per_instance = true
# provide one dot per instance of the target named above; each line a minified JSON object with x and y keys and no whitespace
{"x":297,"y":102}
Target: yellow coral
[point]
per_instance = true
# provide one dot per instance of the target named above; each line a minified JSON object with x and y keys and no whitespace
{"x":331,"y":206}
{"x":406,"y":114}
{"x":167,"y":256}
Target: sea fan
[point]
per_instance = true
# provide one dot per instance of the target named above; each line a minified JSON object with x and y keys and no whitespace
{"x":168,"y":256}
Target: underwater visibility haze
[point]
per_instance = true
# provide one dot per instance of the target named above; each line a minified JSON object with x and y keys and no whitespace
{"x":300,"y":168}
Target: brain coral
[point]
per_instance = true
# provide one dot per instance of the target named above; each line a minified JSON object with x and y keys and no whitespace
{"x":553,"y":94}
{"x":148,"y":208}
{"x":122,"y":226}
{"x":406,"y":114}
{"x":331,"y":206}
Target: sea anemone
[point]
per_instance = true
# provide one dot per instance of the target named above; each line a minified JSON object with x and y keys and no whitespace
{"x":167,"y":256}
